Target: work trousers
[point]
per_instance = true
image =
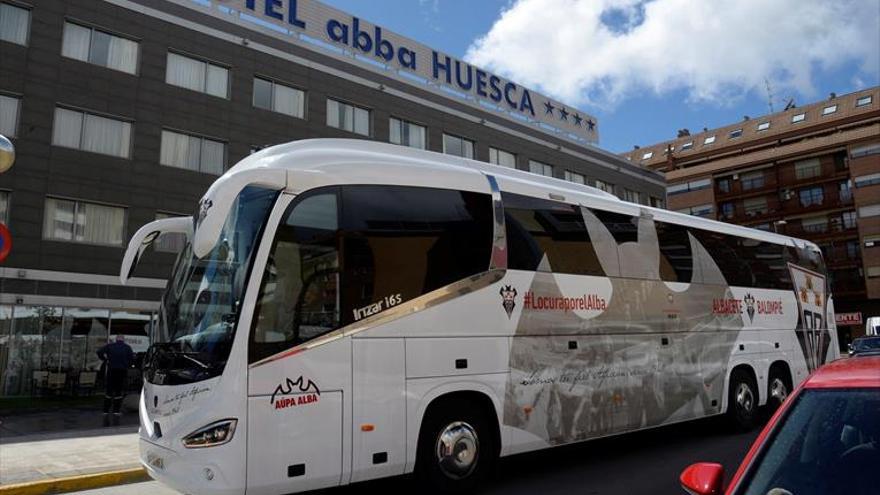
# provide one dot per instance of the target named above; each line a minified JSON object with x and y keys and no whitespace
{"x":115,"y":390}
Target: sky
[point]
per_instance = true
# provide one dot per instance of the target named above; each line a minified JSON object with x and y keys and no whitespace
{"x":645,"y":69}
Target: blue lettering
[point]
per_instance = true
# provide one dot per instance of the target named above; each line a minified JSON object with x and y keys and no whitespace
{"x":383,"y":47}
{"x":444,"y":67}
{"x":494,"y":81}
{"x":271,"y":5}
{"x":292,"y":10}
{"x":507,"y":89}
{"x":526,"y":103}
{"x":360,"y":39}
{"x":463,"y":85}
{"x":407,"y":58}
{"x":481,"y":83}
{"x":337,"y":31}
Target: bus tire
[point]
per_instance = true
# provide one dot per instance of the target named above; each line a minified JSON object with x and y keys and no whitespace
{"x":778,"y":387}
{"x":742,"y":400}
{"x":456,"y":449}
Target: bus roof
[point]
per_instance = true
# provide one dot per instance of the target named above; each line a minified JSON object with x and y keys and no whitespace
{"x":302,"y":165}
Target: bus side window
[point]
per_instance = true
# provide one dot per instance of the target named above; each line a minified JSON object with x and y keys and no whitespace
{"x":676,"y":260}
{"x":539,"y":227}
{"x":298,"y":297}
{"x":402,"y":242}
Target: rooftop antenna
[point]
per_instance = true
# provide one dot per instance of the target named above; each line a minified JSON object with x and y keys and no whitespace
{"x":769,"y":94}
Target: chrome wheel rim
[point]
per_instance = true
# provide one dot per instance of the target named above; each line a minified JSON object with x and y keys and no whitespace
{"x":457,"y":450}
{"x":744,"y":398}
{"x":778,"y":390}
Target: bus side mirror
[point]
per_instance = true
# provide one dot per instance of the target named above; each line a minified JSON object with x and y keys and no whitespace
{"x":148,"y":234}
{"x":702,"y":478}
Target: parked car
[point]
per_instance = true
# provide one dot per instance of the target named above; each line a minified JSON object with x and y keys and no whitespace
{"x":865,"y":345}
{"x":825,"y":439}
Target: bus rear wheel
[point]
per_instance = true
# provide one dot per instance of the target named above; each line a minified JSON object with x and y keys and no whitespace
{"x":742,"y":400}
{"x":455,"y":450}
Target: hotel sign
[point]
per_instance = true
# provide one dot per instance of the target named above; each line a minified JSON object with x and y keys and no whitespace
{"x":314,"y":25}
{"x":848,"y":318}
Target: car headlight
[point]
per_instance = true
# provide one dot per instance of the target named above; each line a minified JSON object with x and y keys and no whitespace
{"x":214,"y":434}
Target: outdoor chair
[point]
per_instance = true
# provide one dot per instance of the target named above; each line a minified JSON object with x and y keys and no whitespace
{"x":41,"y":380}
{"x":86,"y":381}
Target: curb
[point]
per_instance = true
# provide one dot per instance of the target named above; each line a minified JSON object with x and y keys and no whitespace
{"x":77,"y":483}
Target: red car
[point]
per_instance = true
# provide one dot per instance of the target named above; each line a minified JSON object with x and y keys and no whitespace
{"x":825,"y":439}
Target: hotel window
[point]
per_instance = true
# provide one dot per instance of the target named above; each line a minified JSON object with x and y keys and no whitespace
{"x":811,"y":196}
{"x":277,"y":97}
{"x":78,"y":221}
{"x":702,"y":210}
{"x":192,"y":152}
{"x":873,"y":271}
{"x":605,"y":186}
{"x":798,"y":118}
{"x":407,"y":133}
{"x":4,"y":207}
{"x":574,"y":177}
{"x":9,"y":110}
{"x":852,"y":250}
{"x":657,"y":202}
{"x":872,"y":241}
{"x":171,"y":242}
{"x":348,"y":117}
{"x":865,"y":100}
{"x":197,"y":75}
{"x":806,"y":169}
{"x":100,"y":48}
{"x":694,"y":185}
{"x":647,"y":155}
{"x":844,"y":189}
{"x":686,"y":146}
{"x":755,"y":206}
{"x":632,"y":196}
{"x":815,"y":224}
{"x":869,"y":211}
{"x":867,"y":180}
{"x":829,"y":110}
{"x":89,"y":132}
{"x":763,"y":126}
{"x":14,"y":23}
{"x":724,"y":185}
{"x":458,"y":146}
{"x":539,"y":168}
{"x":735,"y":133}
{"x":501,"y":157}
{"x":752,"y":180}
{"x":709,"y":140}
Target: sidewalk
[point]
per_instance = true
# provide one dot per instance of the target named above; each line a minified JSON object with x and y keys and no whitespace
{"x":39,"y":447}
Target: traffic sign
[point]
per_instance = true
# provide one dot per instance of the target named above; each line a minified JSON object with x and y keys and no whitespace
{"x":5,"y":242}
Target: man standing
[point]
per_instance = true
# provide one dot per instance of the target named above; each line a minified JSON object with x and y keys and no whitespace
{"x":117,"y":357}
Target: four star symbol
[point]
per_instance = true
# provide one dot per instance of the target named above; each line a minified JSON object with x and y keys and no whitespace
{"x":563,"y":115}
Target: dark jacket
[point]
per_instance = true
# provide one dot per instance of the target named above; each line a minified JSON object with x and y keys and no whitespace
{"x":118,"y":355}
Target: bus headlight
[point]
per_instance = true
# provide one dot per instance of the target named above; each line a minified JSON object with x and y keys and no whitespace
{"x":212,"y":435}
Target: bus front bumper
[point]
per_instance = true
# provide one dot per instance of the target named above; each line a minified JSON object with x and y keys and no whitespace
{"x":197,"y":472}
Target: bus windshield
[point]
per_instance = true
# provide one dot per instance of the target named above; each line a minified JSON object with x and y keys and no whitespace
{"x":200,"y":307}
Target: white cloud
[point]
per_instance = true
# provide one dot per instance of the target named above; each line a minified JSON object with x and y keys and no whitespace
{"x":601,"y":51}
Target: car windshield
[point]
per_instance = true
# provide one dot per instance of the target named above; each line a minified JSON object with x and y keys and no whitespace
{"x":867,"y":344}
{"x":828,"y":443}
{"x":201,"y":304}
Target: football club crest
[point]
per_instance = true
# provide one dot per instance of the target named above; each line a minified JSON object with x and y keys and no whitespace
{"x":750,"y":306}
{"x":508,"y":299}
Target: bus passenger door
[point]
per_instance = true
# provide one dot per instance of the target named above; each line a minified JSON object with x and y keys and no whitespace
{"x":299,"y":362}
{"x":379,"y":408}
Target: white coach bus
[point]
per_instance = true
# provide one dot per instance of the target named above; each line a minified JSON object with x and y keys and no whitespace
{"x":348,"y":310}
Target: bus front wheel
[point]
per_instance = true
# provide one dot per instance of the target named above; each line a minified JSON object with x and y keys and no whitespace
{"x":742,"y":400}
{"x":455,"y":450}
